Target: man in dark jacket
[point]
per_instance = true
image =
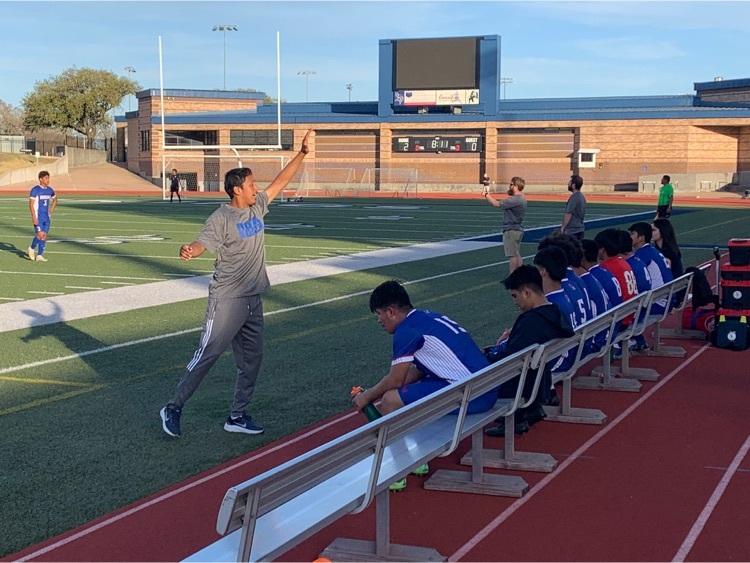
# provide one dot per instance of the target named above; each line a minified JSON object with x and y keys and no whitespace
{"x":540,"y":321}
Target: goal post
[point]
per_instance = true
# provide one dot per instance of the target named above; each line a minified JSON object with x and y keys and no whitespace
{"x":389,"y":182}
{"x":322,"y":181}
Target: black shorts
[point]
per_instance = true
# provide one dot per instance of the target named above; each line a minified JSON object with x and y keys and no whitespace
{"x":663,"y":211}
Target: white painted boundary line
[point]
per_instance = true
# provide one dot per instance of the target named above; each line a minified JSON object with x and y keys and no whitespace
{"x":166,"y":496}
{"x":700,"y":523}
{"x":513,"y":508}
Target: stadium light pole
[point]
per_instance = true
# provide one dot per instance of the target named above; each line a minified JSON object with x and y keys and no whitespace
{"x":225,"y":28}
{"x":505,"y":81}
{"x":349,"y":87}
{"x":307,"y":74}
{"x":129,"y":70}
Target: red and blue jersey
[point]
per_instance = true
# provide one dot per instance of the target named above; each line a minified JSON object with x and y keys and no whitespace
{"x":437,"y":346}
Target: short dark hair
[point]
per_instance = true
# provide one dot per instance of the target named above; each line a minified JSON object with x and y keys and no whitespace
{"x":42,"y":174}
{"x":643,"y":229}
{"x":667,"y":178}
{"x":234,"y":179}
{"x":525,"y":275}
{"x":626,"y":242}
{"x":554,"y":261}
{"x":569,"y":244}
{"x":590,"y":250}
{"x":577,"y":181}
{"x":609,"y":240}
{"x":390,"y":294}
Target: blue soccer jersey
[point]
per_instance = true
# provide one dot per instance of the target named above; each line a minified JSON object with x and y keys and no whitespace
{"x":576,"y":292}
{"x":609,"y":283}
{"x":437,"y":346}
{"x":642,"y":277}
{"x":656,"y":265}
{"x":597,"y":296}
{"x":41,"y":198}
{"x":559,"y":298}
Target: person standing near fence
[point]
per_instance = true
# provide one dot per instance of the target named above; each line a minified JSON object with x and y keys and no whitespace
{"x":666,"y":196}
{"x":42,"y":202}
{"x":174,"y":185}
{"x":235,"y":310}
{"x":575,"y":209}
{"x":514,"y":210}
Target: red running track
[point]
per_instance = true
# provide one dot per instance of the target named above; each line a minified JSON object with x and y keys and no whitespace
{"x":666,"y":478}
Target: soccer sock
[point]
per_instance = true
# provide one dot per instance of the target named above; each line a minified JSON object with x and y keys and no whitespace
{"x":34,"y":242}
{"x":42,"y":243}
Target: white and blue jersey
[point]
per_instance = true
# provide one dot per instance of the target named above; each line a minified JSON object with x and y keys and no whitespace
{"x":576,"y":292}
{"x":437,"y":346}
{"x":659,"y":272}
{"x":560,"y":298}
{"x":597,"y":296}
{"x":42,"y":198}
{"x":642,"y":277}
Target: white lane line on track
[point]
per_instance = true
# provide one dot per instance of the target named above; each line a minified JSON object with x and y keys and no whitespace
{"x":536,"y":489}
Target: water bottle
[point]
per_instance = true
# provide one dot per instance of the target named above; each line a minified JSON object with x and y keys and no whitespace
{"x":370,"y":410}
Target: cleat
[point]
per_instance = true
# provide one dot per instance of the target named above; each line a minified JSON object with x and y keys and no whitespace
{"x":422,"y":470}
{"x":639,"y":347}
{"x":31,"y":253}
{"x":398,"y":486}
{"x":170,"y":421}
{"x":242,"y":425}
{"x":40,"y":258}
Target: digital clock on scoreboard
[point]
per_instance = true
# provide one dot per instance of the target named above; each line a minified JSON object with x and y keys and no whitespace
{"x":437,"y":143}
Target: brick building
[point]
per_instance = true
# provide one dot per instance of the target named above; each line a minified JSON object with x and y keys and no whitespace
{"x":618,"y":143}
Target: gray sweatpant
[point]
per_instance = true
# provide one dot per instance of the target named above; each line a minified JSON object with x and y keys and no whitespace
{"x":236,"y":320}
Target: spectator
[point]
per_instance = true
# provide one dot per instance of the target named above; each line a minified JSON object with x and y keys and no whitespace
{"x":514,"y":210}
{"x":540,"y":321}
{"x":486,"y":182}
{"x":666,"y":196}
{"x":575,"y":209}
{"x":664,"y":239}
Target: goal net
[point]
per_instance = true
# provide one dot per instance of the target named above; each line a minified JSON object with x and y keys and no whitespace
{"x":203,"y":170}
{"x":388,"y":182}
{"x":323,"y":182}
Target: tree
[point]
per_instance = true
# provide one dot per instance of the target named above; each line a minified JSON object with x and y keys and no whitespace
{"x":78,"y":99}
{"x":266,"y":100}
{"x":11,"y":119}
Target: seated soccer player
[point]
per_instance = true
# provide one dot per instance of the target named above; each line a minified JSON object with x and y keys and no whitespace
{"x":572,"y":284}
{"x":642,"y":278}
{"x":540,"y":321}
{"x":430,"y":351}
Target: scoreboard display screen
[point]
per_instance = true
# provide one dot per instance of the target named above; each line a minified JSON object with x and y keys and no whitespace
{"x":437,"y":143}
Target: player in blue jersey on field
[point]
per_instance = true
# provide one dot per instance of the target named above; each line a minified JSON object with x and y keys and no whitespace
{"x":42,"y":203}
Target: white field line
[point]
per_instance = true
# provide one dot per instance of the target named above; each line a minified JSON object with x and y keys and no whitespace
{"x":713,"y":501}
{"x":38,"y":312}
{"x":80,"y":287}
{"x":196,"y":329}
{"x":464,"y":550}
{"x":12,"y":299}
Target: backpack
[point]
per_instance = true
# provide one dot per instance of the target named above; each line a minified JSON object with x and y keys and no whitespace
{"x":703,"y":295}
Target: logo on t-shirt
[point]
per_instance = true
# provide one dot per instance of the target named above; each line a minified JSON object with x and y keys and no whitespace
{"x":250,"y":228}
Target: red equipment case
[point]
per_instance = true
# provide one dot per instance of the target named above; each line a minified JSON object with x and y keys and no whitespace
{"x":739,"y":252}
{"x":735,"y":273}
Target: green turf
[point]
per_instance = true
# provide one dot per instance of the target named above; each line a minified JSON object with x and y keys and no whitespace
{"x":82,"y":436}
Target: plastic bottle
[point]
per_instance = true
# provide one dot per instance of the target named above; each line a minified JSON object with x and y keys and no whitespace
{"x":370,"y":410}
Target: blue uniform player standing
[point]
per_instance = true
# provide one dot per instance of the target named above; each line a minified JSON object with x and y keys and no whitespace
{"x":42,"y":202}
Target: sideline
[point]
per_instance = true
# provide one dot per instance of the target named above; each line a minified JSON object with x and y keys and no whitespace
{"x":705,"y":514}
{"x":508,"y":512}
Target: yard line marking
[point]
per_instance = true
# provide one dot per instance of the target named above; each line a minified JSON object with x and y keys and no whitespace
{"x":184,"y":488}
{"x":713,"y":501}
{"x":508,"y":512}
{"x":46,"y":292}
{"x":116,"y":283}
{"x":81,"y":287}
{"x":80,"y":275}
{"x":48,"y":382}
{"x":12,"y":299}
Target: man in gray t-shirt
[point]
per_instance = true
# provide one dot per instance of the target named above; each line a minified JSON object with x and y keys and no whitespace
{"x":575,"y":210}
{"x":514,"y":210}
{"x":234,"y":232}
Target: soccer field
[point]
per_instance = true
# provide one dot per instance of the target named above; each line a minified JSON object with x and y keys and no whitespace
{"x":80,"y":399}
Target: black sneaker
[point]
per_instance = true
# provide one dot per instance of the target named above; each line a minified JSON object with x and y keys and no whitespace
{"x":554,"y":399}
{"x":535,"y":413}
{"x":243,"y":425}
{"x":499,"y":430}
{"x":170,"y":420}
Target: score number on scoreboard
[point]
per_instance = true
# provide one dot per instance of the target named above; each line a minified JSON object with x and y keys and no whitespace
{"x":437,"y":144}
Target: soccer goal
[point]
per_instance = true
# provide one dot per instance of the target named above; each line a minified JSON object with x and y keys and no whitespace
{"x":324,"y":182}
{"x":393,"y":182}
{"x":204,"y":170}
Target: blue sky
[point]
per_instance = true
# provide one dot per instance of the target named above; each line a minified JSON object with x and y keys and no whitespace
{"x":550,"y":49}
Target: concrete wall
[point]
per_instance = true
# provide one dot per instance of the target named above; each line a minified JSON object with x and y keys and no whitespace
{"x":84,"y":157}
{"x":702,"y":182}
{"x":31,"y":174}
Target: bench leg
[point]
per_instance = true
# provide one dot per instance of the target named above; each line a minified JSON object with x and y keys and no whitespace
{"x":605,"y":381}
{"x":344,"y":549}
{"x":508,"y":458}
{"x":567,"y":413}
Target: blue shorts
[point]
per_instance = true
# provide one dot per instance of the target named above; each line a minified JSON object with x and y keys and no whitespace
{"x":430,"y":384}
{"x":42,"y":226}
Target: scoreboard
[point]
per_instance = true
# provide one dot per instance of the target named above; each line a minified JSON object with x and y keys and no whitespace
{"x":439,"y":143}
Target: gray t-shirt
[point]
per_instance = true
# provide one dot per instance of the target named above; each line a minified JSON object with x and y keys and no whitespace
{"x":514,"y":209}
{"x":577,"y":208}
{"x":236,"y":237}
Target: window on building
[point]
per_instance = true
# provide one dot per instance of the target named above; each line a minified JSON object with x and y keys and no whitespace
{"x":587,"y":157}
{"x":145,"y":140}
{"x":190,"y":138}
{"x":262,"y":137}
